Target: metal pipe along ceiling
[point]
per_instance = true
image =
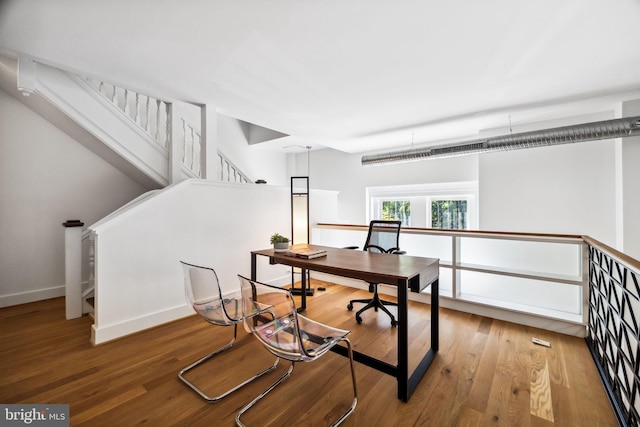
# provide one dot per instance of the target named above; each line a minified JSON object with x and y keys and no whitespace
{"x":617,"y":128}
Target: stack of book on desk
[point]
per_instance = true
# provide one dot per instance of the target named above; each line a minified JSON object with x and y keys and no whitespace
{"x":305,"y":251}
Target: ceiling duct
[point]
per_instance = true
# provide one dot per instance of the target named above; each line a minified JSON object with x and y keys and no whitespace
{"x":617,"y":128}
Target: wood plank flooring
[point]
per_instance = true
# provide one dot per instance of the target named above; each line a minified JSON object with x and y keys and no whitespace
{"x":487,"y":372}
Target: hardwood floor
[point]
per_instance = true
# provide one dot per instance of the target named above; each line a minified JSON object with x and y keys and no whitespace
{"x":487,"y":372}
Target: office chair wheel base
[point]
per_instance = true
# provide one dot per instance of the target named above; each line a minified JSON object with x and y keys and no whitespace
{"x":350,"y":307}
{"x":359,"y":319}
{"x":394,"y":323}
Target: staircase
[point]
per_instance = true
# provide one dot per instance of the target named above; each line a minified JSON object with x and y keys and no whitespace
{"x":154,"y":141}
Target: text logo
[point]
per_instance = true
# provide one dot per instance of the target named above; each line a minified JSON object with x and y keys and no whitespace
{"x":54,"y":415}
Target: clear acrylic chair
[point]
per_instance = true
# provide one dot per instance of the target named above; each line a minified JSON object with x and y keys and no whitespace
{"x":202,"y":291}
{"x":287,"y":334}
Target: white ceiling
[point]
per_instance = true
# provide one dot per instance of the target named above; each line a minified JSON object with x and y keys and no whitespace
{"x":353,"y":75}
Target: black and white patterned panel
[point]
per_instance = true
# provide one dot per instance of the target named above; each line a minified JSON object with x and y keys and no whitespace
{"x":614,"y":313}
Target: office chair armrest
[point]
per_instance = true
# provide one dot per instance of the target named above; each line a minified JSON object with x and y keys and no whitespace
{"x":351,"y":247}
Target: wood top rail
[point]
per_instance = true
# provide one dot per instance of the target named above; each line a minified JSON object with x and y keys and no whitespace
{"x":626,"y":259}
{"x":462,"y":232}
{"x":630,"y":262}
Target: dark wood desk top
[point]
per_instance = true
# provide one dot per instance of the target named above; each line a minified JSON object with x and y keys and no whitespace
{"x":368,"y":266}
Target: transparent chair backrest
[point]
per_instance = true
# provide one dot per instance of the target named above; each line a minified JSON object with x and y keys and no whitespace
{"x":202,"y":291}
{"x":384,"y":235}
{"x":270,"y":314}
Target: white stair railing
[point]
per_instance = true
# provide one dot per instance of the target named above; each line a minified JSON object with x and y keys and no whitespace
{"x":230,"y":173}
{"x":191,"y":147}
{"x":154,"y":117}
{"x":150,"y":114}
{"x":79,"y":252}
{"x":88,"y":286}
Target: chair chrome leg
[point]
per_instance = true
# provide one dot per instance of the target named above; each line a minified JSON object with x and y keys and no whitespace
{"x":287,"y":374}
{"x":212,"y":399}
{"x":355,"y":389}
{"x":263,"y":394}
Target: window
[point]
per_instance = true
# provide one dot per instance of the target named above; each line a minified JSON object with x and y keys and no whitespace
{"x":449,"y":206}
{"x":397,"y":210}
{"x":449,"y":214}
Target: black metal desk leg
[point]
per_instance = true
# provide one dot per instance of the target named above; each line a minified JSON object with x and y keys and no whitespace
{"x":303,"y":293}
{"x":253,"y":267}
{"x":435,"y":316}
{"x":403,"y":341}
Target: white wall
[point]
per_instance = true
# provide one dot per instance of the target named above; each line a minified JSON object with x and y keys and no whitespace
{"x":138,"y":276}
{"x":46,"y":178}
{"x":333,"y":170}
{"x":563,"y":189}
{"x":566,"y":189}
{"x":252,"y":160}
{"x":631,"y":186}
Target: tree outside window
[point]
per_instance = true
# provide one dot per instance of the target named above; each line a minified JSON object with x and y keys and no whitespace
{"x":449,"y":214}
{"x":397,"y":210}
{"x":450,"y":205}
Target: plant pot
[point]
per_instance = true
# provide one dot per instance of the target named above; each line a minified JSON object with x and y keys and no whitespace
{"x":281,"y":246}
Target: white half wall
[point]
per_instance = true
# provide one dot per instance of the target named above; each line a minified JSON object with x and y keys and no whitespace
{"x":138,"y":275}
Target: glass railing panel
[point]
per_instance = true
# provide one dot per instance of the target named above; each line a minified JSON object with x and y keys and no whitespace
{"x":338,"y":238}
{"x":445,"y":282}
{"x":507,"y":291}
{"x":429,"y":246}
{"x":550,"y":259}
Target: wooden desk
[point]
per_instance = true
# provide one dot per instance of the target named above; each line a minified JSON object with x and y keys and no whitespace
{"x":403,"y":271}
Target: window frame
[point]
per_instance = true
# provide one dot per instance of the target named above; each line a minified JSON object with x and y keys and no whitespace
{"x":420,"y":197}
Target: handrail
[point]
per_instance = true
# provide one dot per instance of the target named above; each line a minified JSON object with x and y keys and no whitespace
{"x":614,"y":253}
{"x":230,"y":172}
{"x":466,"y":233}
{"x":154,"y":117}
{"x":149,"y":113}
{"x":122,"y":208}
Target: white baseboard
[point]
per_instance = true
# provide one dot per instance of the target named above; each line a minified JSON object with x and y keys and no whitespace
{"x":31,"y":296}
{"x":100,"y":335}
{"x":280,"y":281}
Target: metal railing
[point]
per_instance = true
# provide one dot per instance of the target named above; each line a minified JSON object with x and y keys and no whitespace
{"x":613,"y":328}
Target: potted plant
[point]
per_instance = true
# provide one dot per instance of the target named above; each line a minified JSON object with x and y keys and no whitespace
{"x":279,"y":242}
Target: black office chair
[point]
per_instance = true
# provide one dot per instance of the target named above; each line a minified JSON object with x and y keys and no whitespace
{"x":383,"y":237}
